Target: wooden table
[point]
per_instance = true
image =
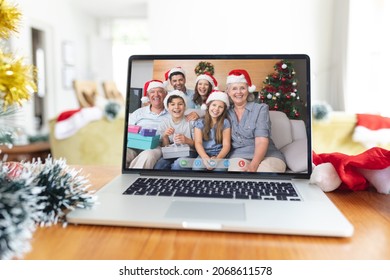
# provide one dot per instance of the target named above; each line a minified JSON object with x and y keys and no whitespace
{"x":26,"y":152}
{"x":368,"y":211}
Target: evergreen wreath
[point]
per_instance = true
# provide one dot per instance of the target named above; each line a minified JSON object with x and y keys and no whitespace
{"x":204,"y":67}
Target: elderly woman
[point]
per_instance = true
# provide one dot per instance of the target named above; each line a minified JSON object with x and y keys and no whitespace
{"x":252,"y":147}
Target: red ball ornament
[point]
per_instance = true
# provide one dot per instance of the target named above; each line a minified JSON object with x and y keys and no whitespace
{"x":283,"y":79}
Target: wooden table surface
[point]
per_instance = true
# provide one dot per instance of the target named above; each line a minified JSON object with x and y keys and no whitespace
{"x":368,"y":211}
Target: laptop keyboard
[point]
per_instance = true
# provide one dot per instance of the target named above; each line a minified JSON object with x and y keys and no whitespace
{"x":214,"y":189}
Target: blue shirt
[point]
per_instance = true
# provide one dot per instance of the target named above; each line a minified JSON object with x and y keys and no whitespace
{"x":145,"y":118}
{"x":255,"y":122}
{"x":210,"y":146}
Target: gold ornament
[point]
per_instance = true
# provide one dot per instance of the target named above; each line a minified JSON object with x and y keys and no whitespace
{"x":16,"y":80}
{"x":9,"y":19}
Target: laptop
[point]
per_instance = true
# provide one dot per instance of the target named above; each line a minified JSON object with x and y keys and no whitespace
{"x":264,"y":202}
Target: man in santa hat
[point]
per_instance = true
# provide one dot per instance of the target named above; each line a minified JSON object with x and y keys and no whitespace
{"x":177,"y":78}
{"x":149,"y":116}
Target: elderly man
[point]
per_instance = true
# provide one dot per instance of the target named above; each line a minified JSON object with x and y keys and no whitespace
{"x":150,"y":117}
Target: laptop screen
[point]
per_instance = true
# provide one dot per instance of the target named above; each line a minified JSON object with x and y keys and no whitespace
{"x":218,"y":115}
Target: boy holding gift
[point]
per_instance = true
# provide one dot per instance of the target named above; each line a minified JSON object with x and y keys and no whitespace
{"x":176,"y":129}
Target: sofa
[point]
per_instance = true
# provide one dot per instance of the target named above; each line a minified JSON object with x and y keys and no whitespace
{"x":97,"y":143}
{"x":290,"y":137}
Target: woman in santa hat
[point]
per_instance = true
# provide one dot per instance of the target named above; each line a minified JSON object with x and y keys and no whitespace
{"x":204,"y":85}
{"x":252,"y":147}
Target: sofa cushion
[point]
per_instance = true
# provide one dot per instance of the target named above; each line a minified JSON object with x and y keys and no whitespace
{"x":295,"y":155}
{"x":281,"y":132}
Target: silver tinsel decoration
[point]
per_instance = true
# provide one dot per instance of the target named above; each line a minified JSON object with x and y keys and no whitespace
{"x":64,"y":189}
{"x":37,"y":194}
{"x":18,"y":212}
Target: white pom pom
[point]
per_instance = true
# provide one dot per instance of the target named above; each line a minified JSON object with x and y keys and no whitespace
{"x":325,"y":176}
{"x":216,"y":88}
{"x":165,"y":83}
{"x":252,"y":88}
{"x":145,"y":99}
{"x":203,"y":107}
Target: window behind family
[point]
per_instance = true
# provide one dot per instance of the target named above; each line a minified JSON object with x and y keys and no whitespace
{"x":213,"y":115}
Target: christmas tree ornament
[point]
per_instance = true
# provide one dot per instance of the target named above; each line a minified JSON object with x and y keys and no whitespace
{"x":9,"y":19}
{"x":16,"y":80}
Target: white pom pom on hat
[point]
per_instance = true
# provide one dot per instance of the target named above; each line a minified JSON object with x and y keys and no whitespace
{"x":151,"y":85}
{"x":208,"y":77}
{"x":240,"y":76}
{"x":175,"y":93}
{"x":216,"y":95}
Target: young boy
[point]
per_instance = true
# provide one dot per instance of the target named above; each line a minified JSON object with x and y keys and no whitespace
{"x":175,"y":130}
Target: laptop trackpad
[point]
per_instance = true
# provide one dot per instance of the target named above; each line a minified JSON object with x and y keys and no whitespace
{"x":206,"y":210}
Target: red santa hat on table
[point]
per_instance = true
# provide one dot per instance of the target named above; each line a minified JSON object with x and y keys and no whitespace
{"x":171,"y":71}
{"x":69,"y":122}
{"x":208,"y":77}
{"x":151,"y":85}
{"x":175,"y":93}
{"x":216,"y":95}
{"x":240,"y":76}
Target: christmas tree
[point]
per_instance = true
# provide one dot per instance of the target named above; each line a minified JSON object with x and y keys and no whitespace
{"x":280,"y":90}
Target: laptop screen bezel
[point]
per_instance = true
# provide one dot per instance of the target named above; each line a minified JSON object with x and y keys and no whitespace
{"x":246,"y":175}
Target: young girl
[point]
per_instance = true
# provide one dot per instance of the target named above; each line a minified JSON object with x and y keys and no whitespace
{"x":175,"y":129}
{"x":213,"y":133}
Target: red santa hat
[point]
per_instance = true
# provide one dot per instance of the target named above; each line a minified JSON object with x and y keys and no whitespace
{"x":371,"y":130}
{"x":69,"y":122}
{"x":175,"y":93}
{"x":151,"y":85}
{"x":216,"y":95}
{"x":208,"y":77}
{"x":240,"y":76}
{"x":171,"y":71}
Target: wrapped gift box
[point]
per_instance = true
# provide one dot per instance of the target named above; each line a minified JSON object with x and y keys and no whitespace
{"x":138,"y":141}
{"x":148,"y":132}
{"x":133,"y":128}
{"x":176,"y":151}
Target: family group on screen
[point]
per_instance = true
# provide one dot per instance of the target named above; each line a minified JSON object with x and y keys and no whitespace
{"x":204,"y":128}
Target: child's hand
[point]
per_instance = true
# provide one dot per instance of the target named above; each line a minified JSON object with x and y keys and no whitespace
{"x":179,"y":139}
{"x":169,"y":131}
{"x":193,"y":116}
